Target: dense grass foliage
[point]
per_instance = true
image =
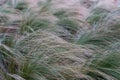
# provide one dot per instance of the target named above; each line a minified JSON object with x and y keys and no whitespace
{"x":39,"y":43}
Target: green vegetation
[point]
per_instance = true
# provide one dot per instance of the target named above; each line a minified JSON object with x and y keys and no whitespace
{"x":43,"y":44}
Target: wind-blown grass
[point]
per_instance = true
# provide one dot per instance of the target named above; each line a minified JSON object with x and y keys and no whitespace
{"x":103,"y":33}
{"x":51,"y":45}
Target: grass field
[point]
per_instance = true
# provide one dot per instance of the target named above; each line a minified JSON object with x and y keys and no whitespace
{"x":43,"y":43}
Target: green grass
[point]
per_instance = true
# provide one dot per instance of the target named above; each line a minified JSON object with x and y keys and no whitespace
{"x":50,"y":45}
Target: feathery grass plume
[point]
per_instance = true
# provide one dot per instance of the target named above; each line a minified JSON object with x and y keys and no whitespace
{"x":103,"y":33}
{"x":66,"y":28}
{"x":58,"y":53}
{"x":15,"y":65}
{"x":105,"y":66}
{"x":45,"y":19}
{"x":35,"y":19}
